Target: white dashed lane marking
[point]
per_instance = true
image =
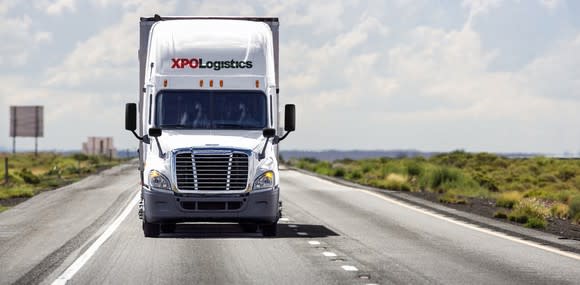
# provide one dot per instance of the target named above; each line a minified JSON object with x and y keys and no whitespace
{"x":349,"y":268}
{"x":302,"y":233}
{"x":314,"y":242}
{"x":329,"y":254}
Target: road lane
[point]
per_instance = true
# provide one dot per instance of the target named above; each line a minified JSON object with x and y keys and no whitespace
{"x":331,"y":231}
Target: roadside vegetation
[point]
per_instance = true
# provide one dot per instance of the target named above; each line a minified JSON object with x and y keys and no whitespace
{"x":527,"y":191}
{"x":29,"y":175}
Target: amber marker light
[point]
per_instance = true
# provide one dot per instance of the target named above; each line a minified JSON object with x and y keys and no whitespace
{"x":211,"y":83}
{"x":221,"y":83}
{"x":165,"y":83}
{"x":257,"y":83}
{"x":201,"y":83}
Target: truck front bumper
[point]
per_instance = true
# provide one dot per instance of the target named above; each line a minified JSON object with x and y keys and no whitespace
{"x":259,"y":207}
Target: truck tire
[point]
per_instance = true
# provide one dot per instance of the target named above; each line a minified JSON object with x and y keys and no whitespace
{"x":270,"y":230}
{"x":249,"y":228}
{"x":168,"y":228}
{"x":151,"y":230}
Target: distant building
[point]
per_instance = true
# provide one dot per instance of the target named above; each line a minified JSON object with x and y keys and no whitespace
{"x":99,"y":146}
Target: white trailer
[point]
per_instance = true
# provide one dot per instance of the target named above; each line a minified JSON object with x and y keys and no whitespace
{"x":208,"y":122}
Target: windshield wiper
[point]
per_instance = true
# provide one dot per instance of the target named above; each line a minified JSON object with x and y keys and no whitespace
{"x":176,"y":126}
{"x":225,"y":125}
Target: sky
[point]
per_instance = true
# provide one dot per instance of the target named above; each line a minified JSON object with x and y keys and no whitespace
{"x":477,"y":75}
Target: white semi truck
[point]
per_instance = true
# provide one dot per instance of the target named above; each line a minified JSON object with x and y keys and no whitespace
{"x":208,"y":122}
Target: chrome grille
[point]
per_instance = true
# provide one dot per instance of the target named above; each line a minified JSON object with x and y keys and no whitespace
{"x":211,"y":171}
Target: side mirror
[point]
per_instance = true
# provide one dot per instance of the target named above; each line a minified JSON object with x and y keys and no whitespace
{"x":130,"y":116}
{"x":289,"y":117}
{"x":155,"y":132}
{"x":269,"y":133}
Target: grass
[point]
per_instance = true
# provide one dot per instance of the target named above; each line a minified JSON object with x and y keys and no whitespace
{"x":523,"y":187}
{"x":28,"y":174}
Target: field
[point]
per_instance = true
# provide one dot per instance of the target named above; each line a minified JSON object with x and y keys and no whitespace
{"x":29,"y":175}
{"x":531,"y":191}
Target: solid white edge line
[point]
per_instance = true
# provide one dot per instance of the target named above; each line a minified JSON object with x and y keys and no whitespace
{"x":81,"y":260}
{"x":473,"y":227}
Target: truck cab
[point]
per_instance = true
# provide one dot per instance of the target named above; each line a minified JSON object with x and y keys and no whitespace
{"x":208,"y":122}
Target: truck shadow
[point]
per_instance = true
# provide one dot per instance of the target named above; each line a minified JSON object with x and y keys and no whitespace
{"x":211,"y":230}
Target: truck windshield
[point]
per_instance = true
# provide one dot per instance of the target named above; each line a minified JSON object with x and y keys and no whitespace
{"x":204,"y":109}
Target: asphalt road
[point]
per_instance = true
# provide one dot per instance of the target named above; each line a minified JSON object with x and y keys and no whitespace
{"x":330,"y":234}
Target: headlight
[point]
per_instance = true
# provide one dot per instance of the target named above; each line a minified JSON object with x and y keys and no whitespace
{"x":264,"y":181}
{"x":158,"y":180}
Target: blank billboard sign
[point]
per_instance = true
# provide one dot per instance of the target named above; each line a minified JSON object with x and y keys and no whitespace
{"x":26,"y":121}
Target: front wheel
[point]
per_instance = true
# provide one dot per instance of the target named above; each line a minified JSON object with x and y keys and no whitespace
{"x":150,"y":229}
{"x":270,"y":230}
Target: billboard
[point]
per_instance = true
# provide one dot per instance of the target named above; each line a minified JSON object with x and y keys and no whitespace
{"x":26,"y":121}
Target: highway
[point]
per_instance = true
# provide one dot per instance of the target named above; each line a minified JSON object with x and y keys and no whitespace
{"x":330,"y":234}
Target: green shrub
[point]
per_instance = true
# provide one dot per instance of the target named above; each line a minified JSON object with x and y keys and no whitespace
{"x":528,"y":208}
{"x":353,"y":175}
{"x":574,"y":207}
{"x":566,"y":173}
{"x":560,"y":210}
{"x":414,"y":169}
{"x":28,"y":176}
{"x":536,"y":223}
{"x":442,"y":175}
{"x":500,"y":215}
{"x":508,"y":199}
{"x":339,"y":172}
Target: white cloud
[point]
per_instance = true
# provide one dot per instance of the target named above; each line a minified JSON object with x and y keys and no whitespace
{"x":110,"y":55}
{"x":19,"y":38}
{"x":56,"y":7}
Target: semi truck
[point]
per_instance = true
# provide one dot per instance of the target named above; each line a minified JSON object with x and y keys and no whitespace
{"x":208,"y":122}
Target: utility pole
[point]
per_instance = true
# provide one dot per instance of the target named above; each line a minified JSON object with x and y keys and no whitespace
{"x":6,"y":170}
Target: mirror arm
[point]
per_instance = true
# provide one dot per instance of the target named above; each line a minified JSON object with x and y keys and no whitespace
{"x":279,"y":139}
{"x":161,"y":154}
{"x":137,"y":136}
{"x":263,"y":153}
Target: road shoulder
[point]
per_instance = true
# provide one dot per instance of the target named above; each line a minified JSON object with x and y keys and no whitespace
{"x":485,"y":222}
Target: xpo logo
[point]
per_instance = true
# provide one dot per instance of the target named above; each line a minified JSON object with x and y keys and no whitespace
{"x":180,"y":63}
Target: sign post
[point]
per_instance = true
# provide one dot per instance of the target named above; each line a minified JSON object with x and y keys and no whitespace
{"x":26,"y":121}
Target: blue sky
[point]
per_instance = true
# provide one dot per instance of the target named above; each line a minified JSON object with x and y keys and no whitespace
{"x":480,"y":75}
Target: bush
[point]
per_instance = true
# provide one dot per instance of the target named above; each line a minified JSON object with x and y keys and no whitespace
{"x":392,"y":182}
{"x":414,"y":169}
{"x":536,"y":223}
{"x":80,"y":156}
{"x":354,"y":175}
{"x":559,"y":210}
{"x":508,"y":199}
{"x":339,"y":172}
{"x":28,"y":176}
{"x":442,"y":175}
{"x":500,"y":215}
{"x":529,"y":208}
{"x":574,"y":208}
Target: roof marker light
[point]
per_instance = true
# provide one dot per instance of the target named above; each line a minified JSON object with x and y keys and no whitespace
{"x":211,"y":83}
{"x":165,"y":83}
{"x":257,"y":83}
{"x":221,"y":83}
{"x":201,"y":83}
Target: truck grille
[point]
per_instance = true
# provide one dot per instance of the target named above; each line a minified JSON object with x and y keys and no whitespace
{"x":217,"y":171}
